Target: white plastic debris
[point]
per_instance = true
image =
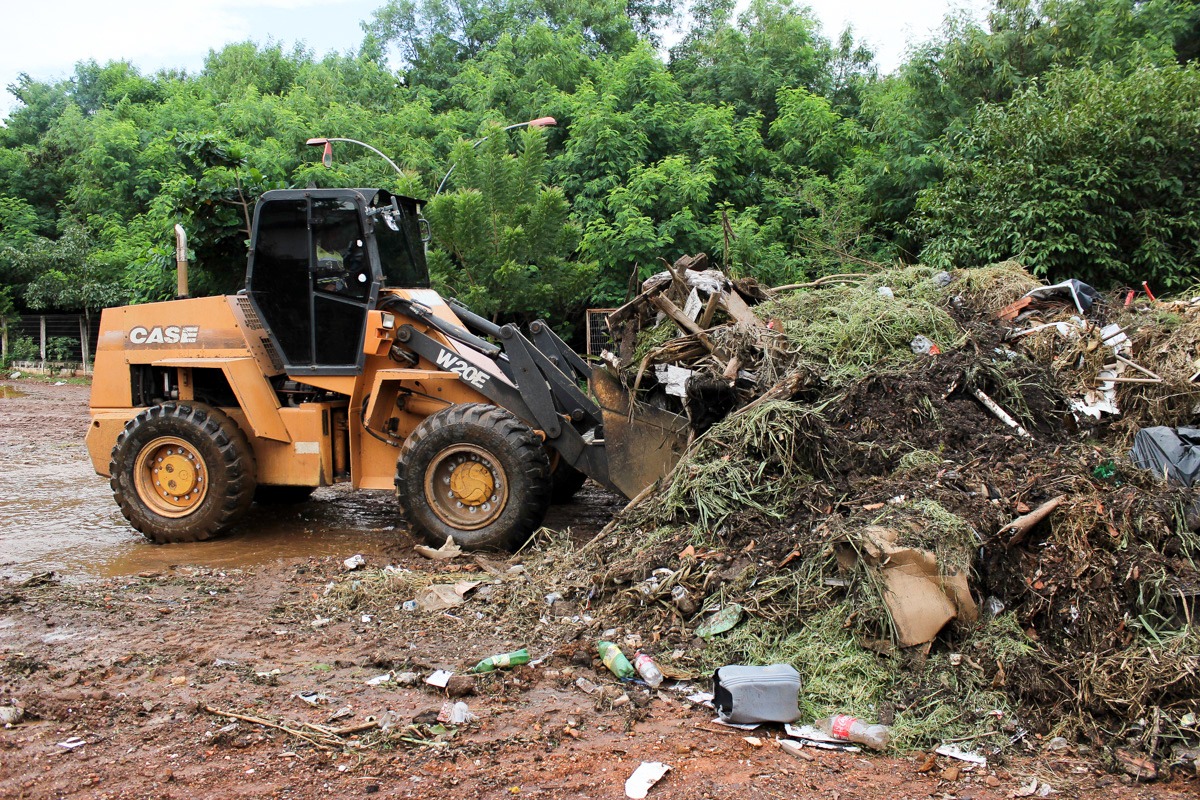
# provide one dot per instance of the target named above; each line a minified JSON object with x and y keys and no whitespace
{"x":440,"y":678}
{"x":644,"y":777}
{"x":78,"y":741}
{"x":448,"y":550}
{"x":954,"y":751}
{"x":815,"y":737}
{"x":379,"y":680}
{"x":741,"y":726}
{"x":355,"y":562}
{"x":311,"y":698}
{"x":673,"y":378}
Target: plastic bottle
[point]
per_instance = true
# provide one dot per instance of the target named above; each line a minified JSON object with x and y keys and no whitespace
{"x":615,"y":660}
{"x":844,"y":726}
{"x":649,"y":671}
{"x":502,"y":661}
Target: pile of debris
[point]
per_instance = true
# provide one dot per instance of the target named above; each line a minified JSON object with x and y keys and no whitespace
{"x":915,"y":487}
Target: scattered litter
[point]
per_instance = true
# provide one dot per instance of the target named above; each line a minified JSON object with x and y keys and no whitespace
{"x":741,"y":726}
{"x":78,"y":741}
{"x":441,"y":596}
{"x":355,"y":562}
{"x":921,"y":594}
{"x":312,"y":698}
{"x":922,"y":346}
{"x":320,"y":621}
{"x":1173,"y":453}
{"x":649,"y":671}
{"x":224,"y":662}
{"x":644,"y":777}
{"x":439,"y":678}
{"x":753,"y":741}
{"x":455,"y":714}
{"x":615,"y":660}
{"x":502,"y":661}
{"x":702,"y":699}
{"x":269,"y":673}
{"x":954,"y":751}
{"x":847,"y":728}
{"x":722,"y":621}
{"x":815,"y":737}
{"x":757,"y":694}
{"x":379,"y":680}
{"x":448,"y":550}
{"x":341,"y":713}
{"x":586,"y":686}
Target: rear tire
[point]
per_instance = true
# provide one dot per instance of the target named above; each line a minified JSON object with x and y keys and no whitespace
{"x":182,"y":472}
{"x":474,"y":472}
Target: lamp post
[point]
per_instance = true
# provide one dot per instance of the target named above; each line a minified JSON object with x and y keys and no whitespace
{"x":327,"y":157}
{"x":540,"y":122}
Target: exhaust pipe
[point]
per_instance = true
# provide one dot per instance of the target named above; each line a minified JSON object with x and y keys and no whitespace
{"x":181,"y":264}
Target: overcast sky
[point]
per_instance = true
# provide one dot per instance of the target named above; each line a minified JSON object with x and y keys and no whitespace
{"x":45,"y":39}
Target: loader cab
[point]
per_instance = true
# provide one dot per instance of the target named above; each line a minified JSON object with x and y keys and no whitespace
{"x":318,"y":259}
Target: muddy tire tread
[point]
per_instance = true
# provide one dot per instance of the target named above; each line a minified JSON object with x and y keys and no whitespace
{"x":235,"y":487}
{"x":529,"y":483}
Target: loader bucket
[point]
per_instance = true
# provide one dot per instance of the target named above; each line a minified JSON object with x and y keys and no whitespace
{"x":642,"y":443}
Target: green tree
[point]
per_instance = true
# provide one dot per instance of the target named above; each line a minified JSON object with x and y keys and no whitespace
{"x":1091,"y":176}
{"x":504,"y":241}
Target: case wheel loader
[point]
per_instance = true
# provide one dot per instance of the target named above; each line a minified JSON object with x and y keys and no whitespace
{"x":337,"y":363}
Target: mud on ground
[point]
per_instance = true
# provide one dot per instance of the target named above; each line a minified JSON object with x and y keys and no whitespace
{"x":140,"y":667}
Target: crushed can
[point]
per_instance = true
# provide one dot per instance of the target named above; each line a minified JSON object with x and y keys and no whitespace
{"x":743,"y":694}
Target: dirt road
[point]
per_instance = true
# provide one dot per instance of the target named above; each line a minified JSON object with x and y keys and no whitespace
{"x":182,"y":671}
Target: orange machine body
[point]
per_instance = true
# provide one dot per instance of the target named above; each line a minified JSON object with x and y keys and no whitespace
{"x":215,"y":349}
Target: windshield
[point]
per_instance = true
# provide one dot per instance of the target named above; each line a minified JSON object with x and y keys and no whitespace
{"x":401,"y":252}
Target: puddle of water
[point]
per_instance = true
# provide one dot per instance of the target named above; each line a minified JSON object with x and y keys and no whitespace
{"x":7,"y":392}
{"x":62,"y":517}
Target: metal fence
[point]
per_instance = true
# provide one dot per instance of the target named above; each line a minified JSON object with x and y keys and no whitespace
{"x":598,"y":336}
{"x":50,"y":338}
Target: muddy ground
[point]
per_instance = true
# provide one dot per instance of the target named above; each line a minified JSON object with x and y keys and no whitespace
{"x":137,"y":652}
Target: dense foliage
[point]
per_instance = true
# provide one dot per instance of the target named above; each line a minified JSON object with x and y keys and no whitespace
{"x":1061,"y":132}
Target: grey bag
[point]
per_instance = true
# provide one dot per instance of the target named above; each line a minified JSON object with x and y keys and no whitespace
{"x":1173,"y":452}
{"x":756,"y":694}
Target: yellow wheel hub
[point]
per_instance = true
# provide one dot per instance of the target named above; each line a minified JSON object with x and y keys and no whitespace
{"x":170,"y":477}
{"x":466,"y":487}
{"x":176,"y":474}
{"x":472,"y":483}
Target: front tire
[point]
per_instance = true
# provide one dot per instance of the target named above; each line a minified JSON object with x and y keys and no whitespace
{"x":182,"y":472}
{"x":474,"y":472}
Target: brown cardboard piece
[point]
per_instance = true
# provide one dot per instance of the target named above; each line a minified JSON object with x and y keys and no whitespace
{"x":920,"y":597}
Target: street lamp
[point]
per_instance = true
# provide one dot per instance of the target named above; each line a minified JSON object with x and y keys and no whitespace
{"x":327,"y":157}
{"x":540,"y":122}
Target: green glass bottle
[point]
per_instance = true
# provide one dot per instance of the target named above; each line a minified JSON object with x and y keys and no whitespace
{"x":502,"y":661}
